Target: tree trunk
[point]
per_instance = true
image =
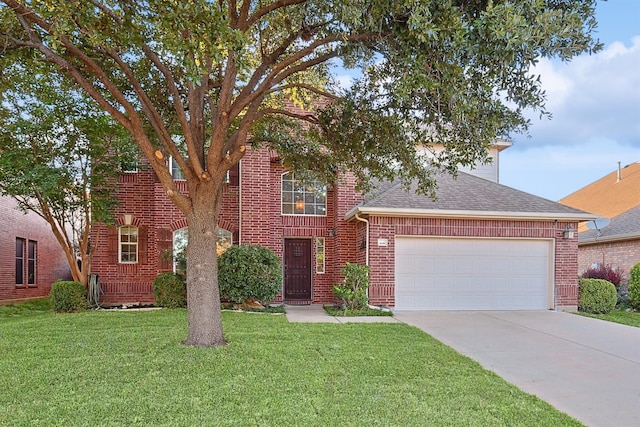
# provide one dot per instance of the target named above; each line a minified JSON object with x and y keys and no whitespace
{"x":203,"y":294}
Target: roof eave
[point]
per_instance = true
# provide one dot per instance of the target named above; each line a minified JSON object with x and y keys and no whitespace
{"x":609,"y":239}
{"x":442,"y":213}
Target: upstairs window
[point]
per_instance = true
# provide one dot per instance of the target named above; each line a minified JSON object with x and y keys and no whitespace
{"x":303,"y":197}
{"x":128,"y":244}
{"x":175,"y":170}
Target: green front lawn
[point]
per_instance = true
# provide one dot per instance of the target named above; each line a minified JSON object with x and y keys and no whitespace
{"x":114,"y":368}
{"x":631,"y":318}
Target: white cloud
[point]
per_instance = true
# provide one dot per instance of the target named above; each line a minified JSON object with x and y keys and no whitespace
{"x":593,"y":98}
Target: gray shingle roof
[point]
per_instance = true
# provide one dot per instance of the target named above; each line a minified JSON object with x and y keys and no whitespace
{"x":627,"y":224}
{"x":466,"y":193}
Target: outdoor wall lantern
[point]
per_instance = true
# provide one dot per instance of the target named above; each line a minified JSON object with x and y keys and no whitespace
{"x":569,"y":233}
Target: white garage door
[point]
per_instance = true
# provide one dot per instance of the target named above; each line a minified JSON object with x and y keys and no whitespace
{"x":472,"y":274}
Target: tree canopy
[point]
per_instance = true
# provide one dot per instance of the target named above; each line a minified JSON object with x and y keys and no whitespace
{"x":59,"y":157}
{"x":223,"y":73}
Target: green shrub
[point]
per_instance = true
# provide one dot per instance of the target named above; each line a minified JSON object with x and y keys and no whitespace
{"x":249,"y":272}
{"x":170,"y":291}
{"x":353,"y":289}
{"x":634,"y":287}
{"x":596,"y":296}
{"x":66,"y":296}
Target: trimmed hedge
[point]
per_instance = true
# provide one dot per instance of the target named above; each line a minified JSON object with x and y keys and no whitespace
{"x":67,"y":296}
{"x":596,"y":296}
{"x":249,"y":272}
{"x":634,"y":286}
{"x":170,"y":291}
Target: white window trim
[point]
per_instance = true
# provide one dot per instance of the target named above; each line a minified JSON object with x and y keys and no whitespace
{"x":171,"y":160}
{"x":324,"y":255}
{"x":302,"y":214}
{"x":128,"y":243}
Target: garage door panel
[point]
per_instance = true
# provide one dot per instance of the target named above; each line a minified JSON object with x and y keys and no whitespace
{"x":472,"y":274}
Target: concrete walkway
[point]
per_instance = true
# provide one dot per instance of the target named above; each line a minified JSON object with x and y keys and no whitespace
{"x":585,"y":367}
{"x":315,"y":314}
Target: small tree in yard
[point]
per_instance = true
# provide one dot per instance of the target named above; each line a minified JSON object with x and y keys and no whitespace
{"x":353,"y":289}
{"x":200,"y":79}
{"x":59,"y":153}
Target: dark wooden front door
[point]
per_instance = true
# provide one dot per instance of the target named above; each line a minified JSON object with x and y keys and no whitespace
{"x":297,"y":269}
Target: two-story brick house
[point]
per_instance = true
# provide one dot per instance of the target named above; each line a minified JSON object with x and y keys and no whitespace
{"x":481,"y":245}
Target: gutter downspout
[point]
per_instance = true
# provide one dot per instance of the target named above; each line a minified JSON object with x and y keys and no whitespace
{"x":366,"y":254}
{"x":366,"y":221}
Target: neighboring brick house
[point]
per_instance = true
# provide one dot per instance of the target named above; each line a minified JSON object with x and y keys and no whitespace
{"x":480,"y":246}
{"x":30,"y":257}
{"x":616,"y":197}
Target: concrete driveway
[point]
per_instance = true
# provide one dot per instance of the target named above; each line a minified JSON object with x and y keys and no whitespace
{"x":585,"y":367}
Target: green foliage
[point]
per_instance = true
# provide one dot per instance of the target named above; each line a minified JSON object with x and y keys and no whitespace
{"x":634,"y":286}
{"x":353,"y":289}
{"x":115,"y":368}
{"x":170,"y":291}
{"x":27,"y":308}
{"x":198,"y":78}
{"x":56,"y":147}
{"x":249,"y":272}
{"x":367,"y":311}
{"x":624,"y":317}
{"x":66,"y":296}
{"x":596,"y":296}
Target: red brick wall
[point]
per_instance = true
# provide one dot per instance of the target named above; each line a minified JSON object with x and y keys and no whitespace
{"x":622,"y":255}
{"x":262,"y":221}
{"x":142,"y":196}
{"x":51,"y":263}
{"x":382,"y":258}
{"x":252,"y":211}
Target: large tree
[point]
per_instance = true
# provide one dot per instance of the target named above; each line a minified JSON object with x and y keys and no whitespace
{"x":213,"y":75}
{"x":59,"y":157}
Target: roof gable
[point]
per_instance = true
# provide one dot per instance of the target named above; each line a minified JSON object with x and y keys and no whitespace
{"x":608,"y":196}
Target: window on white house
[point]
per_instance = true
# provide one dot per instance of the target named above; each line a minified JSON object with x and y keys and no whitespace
{"x":128,"y":244}
{"x":174,"y":169}
{"x":320,"y":255}
{"x":303,"y":197}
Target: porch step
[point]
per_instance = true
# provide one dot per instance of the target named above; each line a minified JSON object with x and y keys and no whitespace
{"x":298,"y":302}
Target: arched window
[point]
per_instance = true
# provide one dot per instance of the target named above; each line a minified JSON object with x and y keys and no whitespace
{"x":224,"y":239}
{"x":303,"y":197}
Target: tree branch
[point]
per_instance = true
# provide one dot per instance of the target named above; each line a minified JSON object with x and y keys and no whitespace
{"x":258,"y":14}
{"x":310,"y":118}
{"x":308,"y":87}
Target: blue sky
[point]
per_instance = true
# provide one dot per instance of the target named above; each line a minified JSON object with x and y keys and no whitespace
{"x":595,"y":102}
